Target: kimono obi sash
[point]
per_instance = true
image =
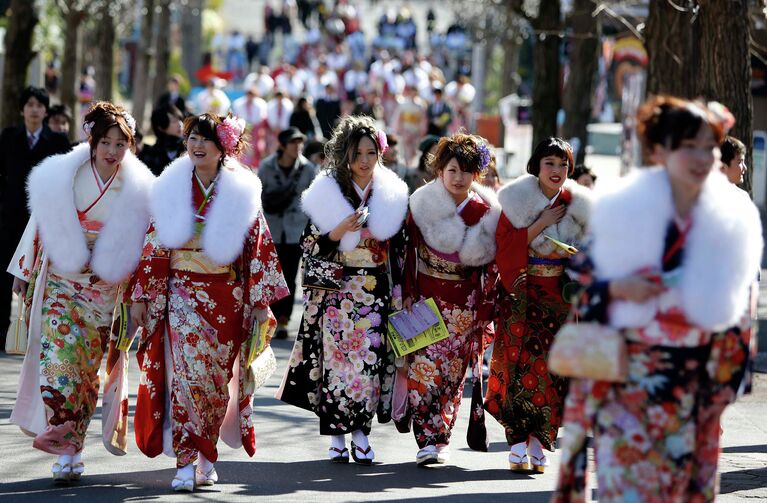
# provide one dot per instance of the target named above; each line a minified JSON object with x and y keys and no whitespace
{"x":544,"y":267}
{"x":191,"y":258}
{"x":369,"y":253}
{"x":670,"y":327}
{"x":441,"y":266}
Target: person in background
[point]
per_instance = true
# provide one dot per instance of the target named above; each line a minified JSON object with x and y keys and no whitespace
{"x":212,"y":99}
{"x":421,"y":175}
{"x":439,"y":115}
{"x":328,"y":110}
{"x":252,"y":109}
{"x":314,"y":150}
{"x":584,"y":176}
{"x":59,"y":119}
{"x":173,"y":96}
{"x":733,"y":159}
{"x":303,"y":118}
{"x":674,"y":253}
{"x":284,"y":176}
{"x":391,"y":157}
{"x":21,"y":148}
{"x":278,"y":112}
{"x":166,"y":125}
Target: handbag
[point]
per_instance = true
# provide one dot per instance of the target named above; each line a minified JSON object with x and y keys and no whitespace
{"x":16,"y":340}
{"x":589,"y":350}
{"x":322,"y":274}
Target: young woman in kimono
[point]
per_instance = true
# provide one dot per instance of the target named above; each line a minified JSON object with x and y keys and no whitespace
{"x":522,"y":394}
{"x":673,"y":254}
{"x":89,"y":216}
{"x":342,"y":366}
{"x":451,"y":247}
{"x":208,"y":273}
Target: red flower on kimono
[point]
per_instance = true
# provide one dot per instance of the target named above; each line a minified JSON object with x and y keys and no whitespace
{"x":529,"y":381}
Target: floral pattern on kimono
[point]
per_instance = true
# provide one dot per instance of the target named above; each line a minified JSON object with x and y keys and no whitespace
{"x":342,"y":366}
{"x":206,"y":317}
{"x":436,"y":374}
{"x":656,"y":437}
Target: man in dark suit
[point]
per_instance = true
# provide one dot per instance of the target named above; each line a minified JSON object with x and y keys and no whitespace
{"x":173,"y":96}
{"x":167,"y":127}
{"x":439,"y":114}
{"x":21,"y":148}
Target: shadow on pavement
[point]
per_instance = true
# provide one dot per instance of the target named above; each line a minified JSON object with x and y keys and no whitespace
{"x":743,"y":480}
{"x":743,"y":449}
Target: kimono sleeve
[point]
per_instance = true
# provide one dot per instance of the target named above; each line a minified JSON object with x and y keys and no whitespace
{"x":149,"y":282}
{"x":397,"y":247}
{"x":410,"y":273}
{"x":265,"y":282}
{"x":314,"y":243}
{"x":511,"y":253}
{"x":23,"y":260}
{"x":593,"y":299}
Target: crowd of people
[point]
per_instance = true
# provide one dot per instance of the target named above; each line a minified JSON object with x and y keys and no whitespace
{"x":206,"y":253}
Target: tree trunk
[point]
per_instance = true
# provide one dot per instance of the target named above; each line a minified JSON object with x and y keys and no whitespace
{"x":546,"y":96}
{"x":105,"y":42}
{"x":510,"y":78}
{"x":141,"y":78}
{"x":162,"y":50}
{"x":18,"y":54}
{"x":725,"y":65}
{"x":580,"y":83}
{"x":191,"y":38}
{"x":69,"y":64}
{"x":670,"y":40}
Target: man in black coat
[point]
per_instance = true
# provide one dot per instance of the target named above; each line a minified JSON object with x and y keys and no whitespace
{"x":21,"y":148}
{"x":167,"y":127}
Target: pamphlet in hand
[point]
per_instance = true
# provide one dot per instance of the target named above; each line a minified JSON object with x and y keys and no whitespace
{"x":409,"y":324}
{"x":410,"y":339}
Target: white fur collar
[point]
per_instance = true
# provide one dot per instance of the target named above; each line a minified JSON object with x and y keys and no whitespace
{"x":234,"y":208}
{"x":326,"y":206}
{"x":443,"y":229}
{"x":117,"y":250}
{"x":721,"y":257}
{"x":523,"y":201}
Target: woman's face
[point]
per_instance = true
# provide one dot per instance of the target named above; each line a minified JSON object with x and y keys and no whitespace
{"x":456,"y":181}
{"x":689,"y":164}
{"x":203,"y":152}
{"x":365,"y":160}
{"x":735,"y":170}
{"x":553,"y":174}
{"x":111,"y":149}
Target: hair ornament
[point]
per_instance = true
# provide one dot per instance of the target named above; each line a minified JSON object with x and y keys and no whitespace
{"x":722,"y":114}
{"x":383,"y":145}
{"x":484,"y":156}
{"x":88,"y":127}
{"x":229,"y":132}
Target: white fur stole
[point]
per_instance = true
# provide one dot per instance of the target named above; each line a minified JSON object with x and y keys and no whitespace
{"x":117,"y":249}
{"x":722,"y":253}
{"x":233,"y":209}
{"x":443,"y":229}
{"x":522,"y":202}
{"x":324,"y":203}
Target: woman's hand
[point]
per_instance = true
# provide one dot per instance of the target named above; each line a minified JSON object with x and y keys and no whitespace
{"x":551,"y":216}
{"x":20,"y":287}
{"x":407,"y":304}
{"x":138,"y":314}
{"x":348,"y":224}
{"x":635,"y":289}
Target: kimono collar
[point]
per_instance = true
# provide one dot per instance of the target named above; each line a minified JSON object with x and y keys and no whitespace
{"x":117,"y":249}
{"x":434,"y":212}
{"x":326,"y":206}
{"x":234,"y":208}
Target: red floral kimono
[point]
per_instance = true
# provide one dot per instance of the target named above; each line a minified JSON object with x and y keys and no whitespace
{"x":461,"y":280}
{"x":203,"y":294}
{"x":522,"y":394}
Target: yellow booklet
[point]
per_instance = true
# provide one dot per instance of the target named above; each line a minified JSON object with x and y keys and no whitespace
{"x":431,"y":335}
{"x":259,"y":339}
{"x":124,"y":339}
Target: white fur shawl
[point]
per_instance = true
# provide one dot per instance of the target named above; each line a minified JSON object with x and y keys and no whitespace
{"x":117,"y":250}
{"x":233,"y":210}
{"x":722,"y":253}
{"x":523,"y":202}
{"x":443,"y":229}
{"x":325,"y":205}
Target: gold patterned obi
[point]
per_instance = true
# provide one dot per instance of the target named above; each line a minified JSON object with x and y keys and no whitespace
{"x":191,"y":258}
{"x":437,"y":266}
{"x":544,"y":267}
{"x":369,"y":253}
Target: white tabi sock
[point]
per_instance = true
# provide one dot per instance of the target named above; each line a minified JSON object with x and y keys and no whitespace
{"x":519,"y":449}
{"x":203,"y":464}
{"x":186,"y":472}
{"x":535,"y":448}
{"x":338,"y":441}
{"x":360,"y":439}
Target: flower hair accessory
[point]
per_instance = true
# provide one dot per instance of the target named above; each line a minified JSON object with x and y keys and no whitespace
{"x":383,"y":145}
{"x":229,"y":132}
{"x":722,"y":115}
{"x":88,"y":127}
{"x":484,"y":156}
{"x":129,"y":120}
